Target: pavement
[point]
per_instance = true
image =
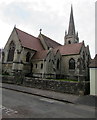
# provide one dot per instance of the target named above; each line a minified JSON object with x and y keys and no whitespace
{"x":87,"y":100}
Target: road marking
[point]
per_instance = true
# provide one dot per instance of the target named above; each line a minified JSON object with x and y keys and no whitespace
{"x":8,"y":111}
{"x":48,"y":100}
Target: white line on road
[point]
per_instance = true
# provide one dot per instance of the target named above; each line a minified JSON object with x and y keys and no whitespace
{"x":48,"y":100}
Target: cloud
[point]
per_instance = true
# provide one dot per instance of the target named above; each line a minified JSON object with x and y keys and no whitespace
{"x":14,"y":12}
{"x":50,"y":15}
{"x":95,"y":27}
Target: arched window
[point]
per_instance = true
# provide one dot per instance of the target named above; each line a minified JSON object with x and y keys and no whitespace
{"x":83,"y":55}
{"x":69,"y":42}
{"x":11,"y":51}
{"x":41,"y":65}
{"x":83,"y":60}
{"x":32,"y":65}
{"x":58,"y":64}
{"x":3,"y":55}
{"x":28,"y":57}
{"x":36,"y":65}
{"x":71,"y":63}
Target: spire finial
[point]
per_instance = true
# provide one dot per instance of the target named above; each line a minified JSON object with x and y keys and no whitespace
{"x":77,"y":33}
{"x":40,"y":30}
{"x":71,"y":29}
{"x":65,"y":32}
{"x":15,"y":26}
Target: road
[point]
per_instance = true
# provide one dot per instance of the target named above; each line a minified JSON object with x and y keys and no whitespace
{"x":22,"y":105}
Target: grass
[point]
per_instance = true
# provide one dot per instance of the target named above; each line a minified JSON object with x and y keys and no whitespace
{"x":65,"y":80}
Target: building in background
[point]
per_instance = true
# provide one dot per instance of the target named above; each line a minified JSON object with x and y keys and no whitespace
{"x":43,"y":57}
{"x":93,"y":76}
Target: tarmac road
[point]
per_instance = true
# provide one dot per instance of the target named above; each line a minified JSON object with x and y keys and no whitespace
{"x":22,"y":105}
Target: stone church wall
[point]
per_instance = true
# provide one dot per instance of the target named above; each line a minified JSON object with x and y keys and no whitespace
{"x":86,"y":60}
{"x":78,"y":71}
{"x":65,"y":65}
{"x":27,"y":69}
{"x":50,"y":63}
{"x":57,"y":58}
{"x":15,"y":39}
{"x":38,"y":68}
{"x":26,"y":66}
{"x":7,"y":68}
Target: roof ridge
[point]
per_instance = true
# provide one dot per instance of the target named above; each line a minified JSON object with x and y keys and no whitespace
{"x":25,"y":32}
{"x":50,"y":39}
{"x":69,"y":44}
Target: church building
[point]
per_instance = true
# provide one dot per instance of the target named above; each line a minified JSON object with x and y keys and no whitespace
{"x":45,"y":58}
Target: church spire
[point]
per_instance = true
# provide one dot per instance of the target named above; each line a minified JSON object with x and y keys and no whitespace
{"x":71,"y":37}
{"x":71,"y":29}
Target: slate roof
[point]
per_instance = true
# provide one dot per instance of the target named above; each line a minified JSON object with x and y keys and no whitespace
{"x":70,"y":49}
{"x":34,"y":43}
{"x":49,"y":42}
{"x":29,"y":41}
{"x":93,"y":63}
{"x":40,"y":55}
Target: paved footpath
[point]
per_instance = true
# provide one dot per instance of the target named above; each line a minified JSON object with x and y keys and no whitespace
{"x":70,"y":98}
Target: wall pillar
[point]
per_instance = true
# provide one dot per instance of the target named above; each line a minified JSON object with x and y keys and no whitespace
{"x":93,"y":81}
{"x":6,"y":56}
{"x":17,"y":64}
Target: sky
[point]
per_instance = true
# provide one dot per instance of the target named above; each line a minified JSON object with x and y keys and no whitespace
{"x":52,"y":16}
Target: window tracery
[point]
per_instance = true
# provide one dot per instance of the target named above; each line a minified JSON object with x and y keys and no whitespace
{"x":11,"y":52}
{"x":28,"y":57}
{"x":72,"y":64}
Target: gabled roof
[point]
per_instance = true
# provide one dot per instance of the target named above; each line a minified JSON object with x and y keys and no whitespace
{"x":40,"y":55}
{"x":49,"y":42}
{"x":28,"y":40}
{"x":34,"y":43}
{"x":93,"y":63}
{"x":70,"y":49}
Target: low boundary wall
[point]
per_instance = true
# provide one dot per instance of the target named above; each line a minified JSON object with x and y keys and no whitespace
{"x":71,"y":87}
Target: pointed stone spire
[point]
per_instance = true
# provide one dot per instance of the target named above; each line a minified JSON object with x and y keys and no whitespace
{"x":71,"y":29}
{"x":72,"y":36}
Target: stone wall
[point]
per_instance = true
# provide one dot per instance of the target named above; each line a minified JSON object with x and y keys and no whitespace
{"x":78,"y":88}
{"x":7,"y":67}
{"x":38,"y":69}
{"x":79,"y":69}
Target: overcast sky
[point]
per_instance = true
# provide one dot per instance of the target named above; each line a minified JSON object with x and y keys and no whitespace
{"x":52,"y":16}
